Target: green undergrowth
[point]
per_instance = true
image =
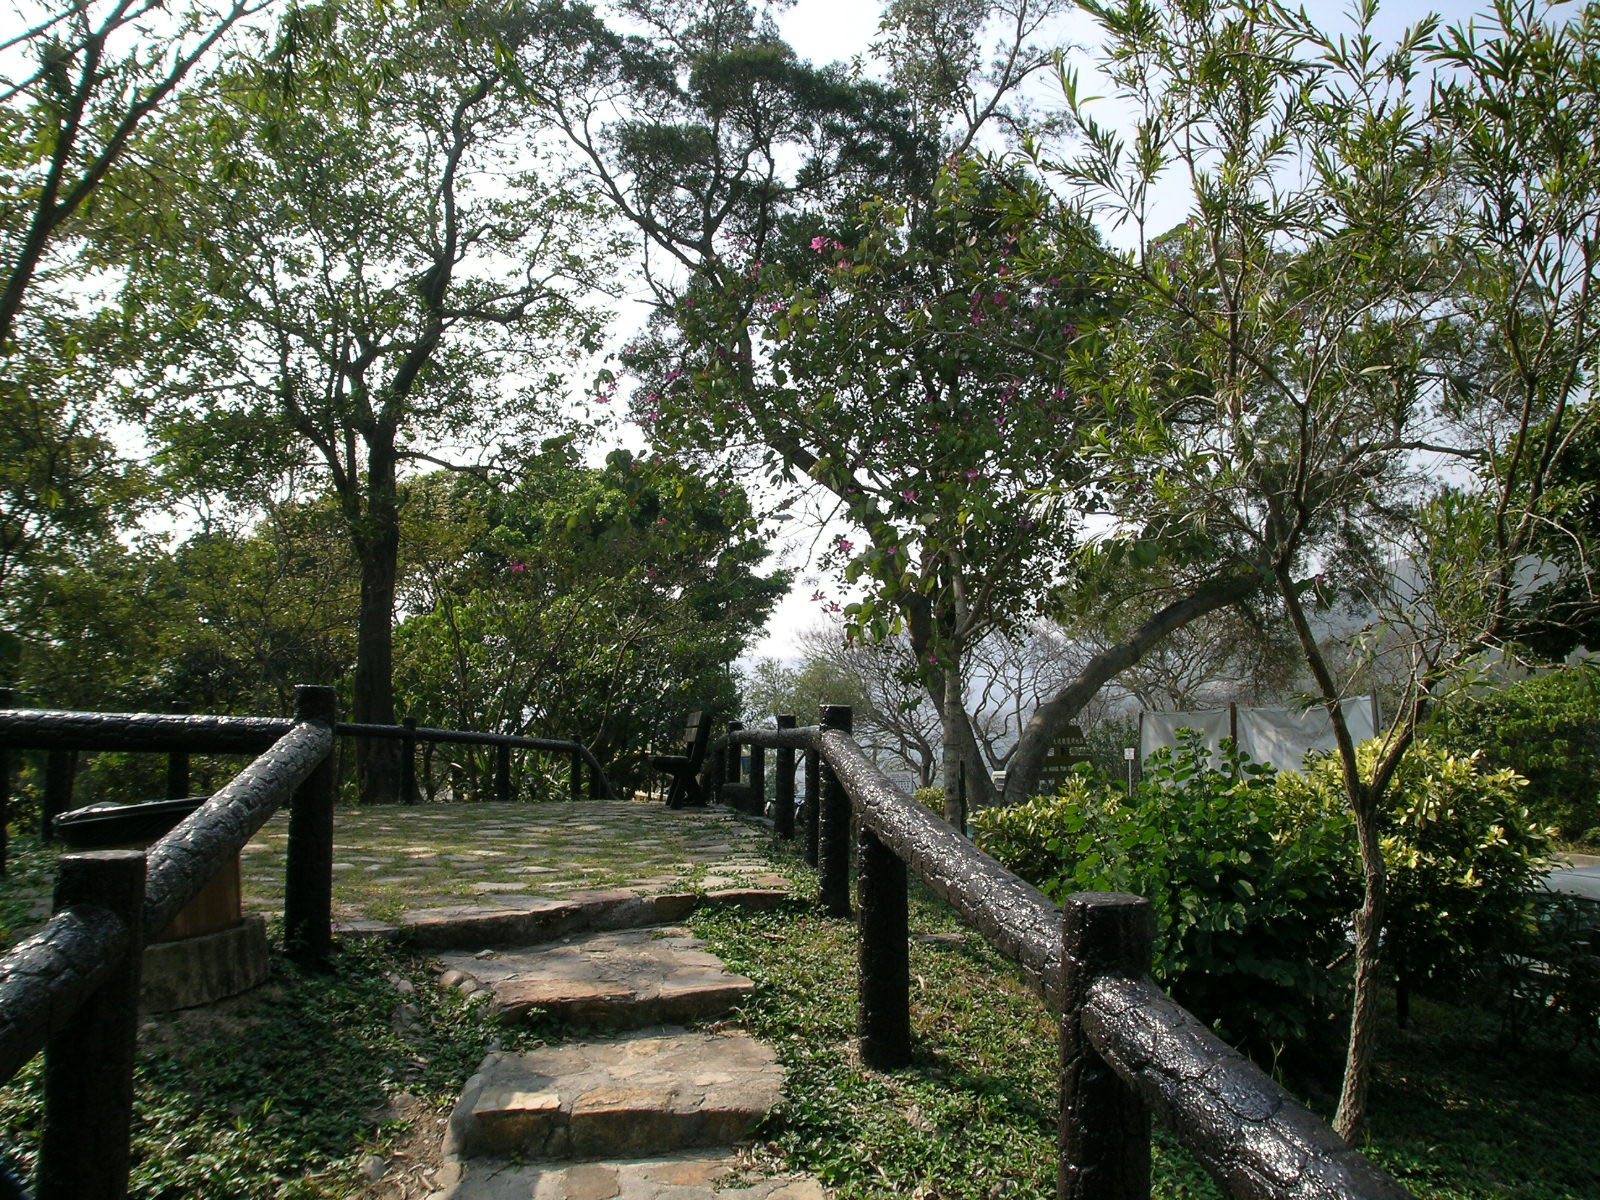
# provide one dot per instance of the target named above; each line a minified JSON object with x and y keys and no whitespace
{"x":284,"y":1092}
{"x":1457,"y":1114}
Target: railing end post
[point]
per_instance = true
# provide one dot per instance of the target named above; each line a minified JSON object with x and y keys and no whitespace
{"x":88,"y":1071}
{"x":316,"y":702}
{"x":1105,"y":1127}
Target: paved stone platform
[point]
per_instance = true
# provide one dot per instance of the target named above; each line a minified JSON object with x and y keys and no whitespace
{"x":678,"y":1177}
{"x":622,"y":980}
{"x":627,"y":1098}
{"x":442,"y":858}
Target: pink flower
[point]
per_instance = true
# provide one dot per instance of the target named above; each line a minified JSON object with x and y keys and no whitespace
{"x":661,"y":520}
{"x":819,"y":594}
{"x":846,"y":546}
{"x":675,"y":374}
{"x":519,"y":568}
{"x":909,"y":495}
{"x":651,"y":573}
{"x":973,"y":474}
{"x":819,"y":243}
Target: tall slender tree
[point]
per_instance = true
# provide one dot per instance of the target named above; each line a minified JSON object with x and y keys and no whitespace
{"x":361,"y":260}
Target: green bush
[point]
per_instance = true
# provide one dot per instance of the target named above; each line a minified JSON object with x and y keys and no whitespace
{"x":1250,"y":901}
{"x":1463,"y":852}
{"x":1254,"y":876}
{"x":1546,"y":729}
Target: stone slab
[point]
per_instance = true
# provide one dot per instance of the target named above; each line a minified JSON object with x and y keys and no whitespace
{"x":202,"y":970}
{"x":676,"y":1177}
{"x":626,"y":979}
{"x":624,"y":1098}
{"x":527,"y":920}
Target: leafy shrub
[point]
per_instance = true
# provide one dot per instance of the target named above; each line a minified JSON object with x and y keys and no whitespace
{"x":1546,"y":729}
{"x":1463,"y":852}
{"x":931,"y":798}
{"x":1250,"y":899}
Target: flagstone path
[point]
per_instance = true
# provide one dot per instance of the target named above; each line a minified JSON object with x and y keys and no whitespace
{"x":393,"y":860}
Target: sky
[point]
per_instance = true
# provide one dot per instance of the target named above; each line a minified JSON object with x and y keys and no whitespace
{"x":837,"y":30}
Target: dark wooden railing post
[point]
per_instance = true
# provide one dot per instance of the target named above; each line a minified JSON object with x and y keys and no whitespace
{"x":1105,"y":1129}
{"x":813,"y":804}
{"x":408,"y":762}
{"x":783,"y":802}
{"x":757,"y":804}
{"x":502,"y":773}
{"x":575,"y":778}
{"x":88,"y":1065}
{"x":883,"y":968}
{"x":734,"y":760}
{"x":308,"y":873}
{"x":8,"y":699}
{"x":178,"y":761}
{"x":833,"y":837}
{"x":60,"y":766}
{"x":596,"y":784}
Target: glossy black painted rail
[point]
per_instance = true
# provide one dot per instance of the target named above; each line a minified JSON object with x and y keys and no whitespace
{"x":1129,"y":1051}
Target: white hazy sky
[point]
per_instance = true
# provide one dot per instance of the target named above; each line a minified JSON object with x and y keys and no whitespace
{"x":838,"y":30}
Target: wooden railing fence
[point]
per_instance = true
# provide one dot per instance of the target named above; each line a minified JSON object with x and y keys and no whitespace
{"x":1129,"y":1052}
{"x":72,"y":988}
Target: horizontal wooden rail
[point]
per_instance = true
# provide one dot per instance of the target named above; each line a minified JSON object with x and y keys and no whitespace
{"x":186,"y":859}
{"x":44,"y":729}
{"x":47,"y":976}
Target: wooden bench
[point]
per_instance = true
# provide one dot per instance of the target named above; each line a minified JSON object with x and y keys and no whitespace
{"x":684,"y":768}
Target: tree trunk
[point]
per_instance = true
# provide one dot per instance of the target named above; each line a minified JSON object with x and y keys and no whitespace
{"x":950,"y":712}
{"x":1053,"y":716}
{"x":377,"y":544}
{"x":1351,"y":1116}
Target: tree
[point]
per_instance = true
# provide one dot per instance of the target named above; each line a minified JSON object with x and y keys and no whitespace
{"x":600,"y":605}
{"x":1366,"y":288}
{"x":868,"y":336}
{"x":79,"y":80}
{"x":86,"y":76}
{"x":365,"y":263}
{"x":893,"y":719}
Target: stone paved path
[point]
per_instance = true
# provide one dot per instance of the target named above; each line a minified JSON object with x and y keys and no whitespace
{"x":390,"y":861}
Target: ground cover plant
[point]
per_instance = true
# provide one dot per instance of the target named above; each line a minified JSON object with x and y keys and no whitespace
{"x":291,"y":1091}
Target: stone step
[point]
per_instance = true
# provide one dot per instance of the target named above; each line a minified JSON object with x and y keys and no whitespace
{"x":624,"y":1098}
{"x":677,"y":1177}
{"x":623,"y":980}
{"x":520,"y":920}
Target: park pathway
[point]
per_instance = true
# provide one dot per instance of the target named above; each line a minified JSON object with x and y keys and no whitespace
{"x":569,"y":912}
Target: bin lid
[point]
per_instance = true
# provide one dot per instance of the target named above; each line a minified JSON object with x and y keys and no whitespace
{"x":103,"y":826}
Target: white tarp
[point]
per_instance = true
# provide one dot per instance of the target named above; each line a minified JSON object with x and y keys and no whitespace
{"x":1279,"y":736}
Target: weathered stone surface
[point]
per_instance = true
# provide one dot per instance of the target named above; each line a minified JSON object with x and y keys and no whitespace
{"x":507,"y":920}
{"x":623,"y":980}
{"x":204,"y":969}
{"x":664,"y":1178}
{"x":637,"y":1096}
